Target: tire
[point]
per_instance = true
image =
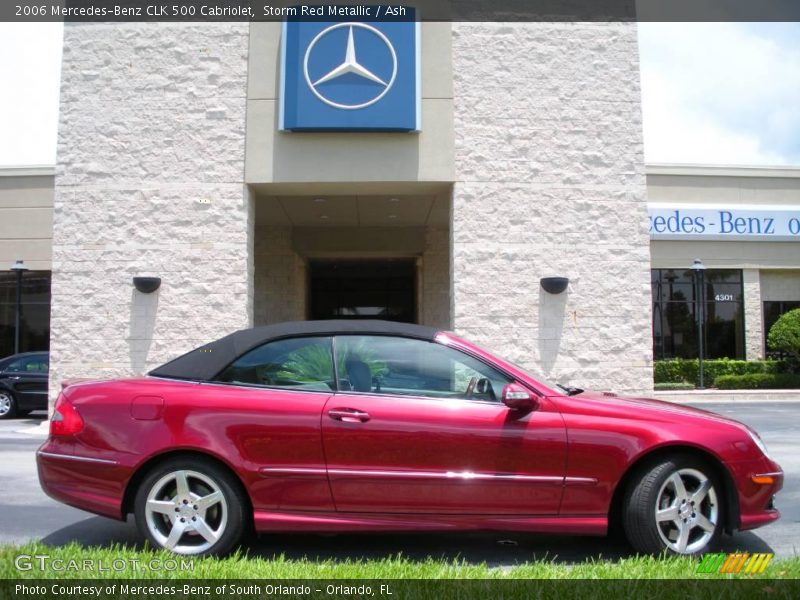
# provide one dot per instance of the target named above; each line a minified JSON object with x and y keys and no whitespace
{"x":193,"y":506}
{"x":8,"y":405}
{"x":675,"y":506}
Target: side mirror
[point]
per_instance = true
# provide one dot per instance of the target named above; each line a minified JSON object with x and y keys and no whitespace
{"x":517,"y":397}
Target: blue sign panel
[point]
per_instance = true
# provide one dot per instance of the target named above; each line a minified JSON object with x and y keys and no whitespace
{"x":350,"y":76}
{"x":740,"y":223}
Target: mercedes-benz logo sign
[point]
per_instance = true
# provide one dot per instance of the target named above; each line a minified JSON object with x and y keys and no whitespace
{"x":350,"y":65}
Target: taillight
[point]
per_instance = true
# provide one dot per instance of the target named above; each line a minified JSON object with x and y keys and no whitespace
{"x":65,"y":420}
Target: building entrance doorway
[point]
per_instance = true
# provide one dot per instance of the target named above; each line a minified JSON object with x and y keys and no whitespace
{"x":363,"y":289}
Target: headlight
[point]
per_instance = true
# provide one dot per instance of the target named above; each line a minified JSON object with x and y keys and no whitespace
{"x":758,"y":442}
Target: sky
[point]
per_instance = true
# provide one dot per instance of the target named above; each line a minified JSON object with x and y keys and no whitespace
{"x":712,"y":93}
{"x":721,"y":93}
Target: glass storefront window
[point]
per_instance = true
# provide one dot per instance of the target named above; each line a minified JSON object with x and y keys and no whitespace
{"x":772,"y":312}
{"x":35,"y":314}
{"x":674,"y":307}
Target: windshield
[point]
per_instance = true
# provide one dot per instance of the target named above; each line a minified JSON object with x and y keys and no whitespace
{"x":548,"y":382}
{"x":564,"y":387}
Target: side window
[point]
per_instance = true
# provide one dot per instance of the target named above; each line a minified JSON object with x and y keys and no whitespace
{"x":15,"y":365}
{"x":401,"y":366}
{"x":39,"y":364}
{"x":297,"y":363}
{"x":29,"y":364}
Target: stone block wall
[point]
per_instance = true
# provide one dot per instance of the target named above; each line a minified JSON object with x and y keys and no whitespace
{"x":550,"y":181}
{"x":149,"y":181}
{"x":280,"y":278}
{"x":753,"y":315}
{"x":435,"y":305}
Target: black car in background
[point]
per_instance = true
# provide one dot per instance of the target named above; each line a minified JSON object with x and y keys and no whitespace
{"x":23,"y":383}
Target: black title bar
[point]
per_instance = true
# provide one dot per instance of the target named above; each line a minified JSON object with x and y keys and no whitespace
{"x":396,"y":589}
{"x":426,"y":10}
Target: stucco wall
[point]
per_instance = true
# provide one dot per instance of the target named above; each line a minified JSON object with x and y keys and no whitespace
{"x":780,"y":285}
{"x":550,"y":181}
{"x":149,"y":181}
{"x":26,"y":217}
{"x":274,"y":156}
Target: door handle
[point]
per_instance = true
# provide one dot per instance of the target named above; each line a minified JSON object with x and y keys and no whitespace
{"x":348,"y":415}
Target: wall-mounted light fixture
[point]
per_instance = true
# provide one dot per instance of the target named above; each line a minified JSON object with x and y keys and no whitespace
{"x":554,"y":285}
{"x":147,"y":285}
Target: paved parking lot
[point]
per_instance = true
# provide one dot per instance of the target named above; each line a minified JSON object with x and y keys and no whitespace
{"x":27,"y":514}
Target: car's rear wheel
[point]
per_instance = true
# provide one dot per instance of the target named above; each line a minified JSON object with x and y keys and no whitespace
{"x":8,"y":405}
{"x":191,"y":506}
{"x":674,"y":506}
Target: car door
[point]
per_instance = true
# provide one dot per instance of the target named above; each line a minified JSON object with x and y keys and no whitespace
{"x":273,"y":398}
{"x":28,"y":375}
{"x":419,"y":427}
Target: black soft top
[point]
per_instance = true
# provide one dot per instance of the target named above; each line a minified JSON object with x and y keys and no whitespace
{"x":205,"y":362}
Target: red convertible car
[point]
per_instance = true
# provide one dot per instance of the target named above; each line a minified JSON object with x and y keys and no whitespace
{"x":376,"y":426}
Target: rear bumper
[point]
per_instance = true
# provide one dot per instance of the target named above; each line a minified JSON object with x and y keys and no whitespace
{"x":756,"y":500}
{"x":92,"y":484}
{"x":32,"y":403}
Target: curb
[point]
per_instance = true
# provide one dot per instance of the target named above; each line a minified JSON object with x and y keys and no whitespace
{"x":732,"y":401}
{"x":731,"y":396}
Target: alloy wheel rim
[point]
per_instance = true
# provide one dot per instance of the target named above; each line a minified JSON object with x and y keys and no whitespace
{"x":5,"y":404}
{"x":687,"y":511}
{"x":186,"y":512}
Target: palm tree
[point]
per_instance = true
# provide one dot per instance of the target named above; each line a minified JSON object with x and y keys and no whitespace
{"x":313,"y":362}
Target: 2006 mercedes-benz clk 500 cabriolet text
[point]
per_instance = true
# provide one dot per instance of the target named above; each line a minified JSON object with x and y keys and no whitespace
{"x":376,"y":426}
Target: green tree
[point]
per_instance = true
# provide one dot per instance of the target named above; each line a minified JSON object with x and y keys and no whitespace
{"x":784,"y":336}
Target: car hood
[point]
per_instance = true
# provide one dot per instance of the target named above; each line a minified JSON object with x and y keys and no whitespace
{"x":648,"y":407}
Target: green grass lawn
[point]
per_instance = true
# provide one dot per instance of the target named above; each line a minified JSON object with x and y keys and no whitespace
{"x":242,"y":566}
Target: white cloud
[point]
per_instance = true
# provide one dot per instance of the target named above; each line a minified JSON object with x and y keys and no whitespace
{"x":29,"y":81}
{"x":720,"y":93}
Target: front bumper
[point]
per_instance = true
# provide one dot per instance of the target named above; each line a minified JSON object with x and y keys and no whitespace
{"x":757,"y":482}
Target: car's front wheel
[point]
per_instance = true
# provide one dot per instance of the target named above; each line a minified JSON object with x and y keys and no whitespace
{"x":191,"y":506}
{"x":8,"y":405}
{"x":675,"y":505}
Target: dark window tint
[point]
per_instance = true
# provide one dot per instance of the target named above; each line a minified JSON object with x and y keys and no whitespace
{"x":400,"y":366}
{"x":675,"y":308}
{"x":297,"y":363}
{"x":37,"y":363}
{"x":363,"y":289}
{"x":34,"y":313}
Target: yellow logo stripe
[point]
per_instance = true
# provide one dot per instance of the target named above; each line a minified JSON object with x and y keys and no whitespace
{"x":767,"y":558}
